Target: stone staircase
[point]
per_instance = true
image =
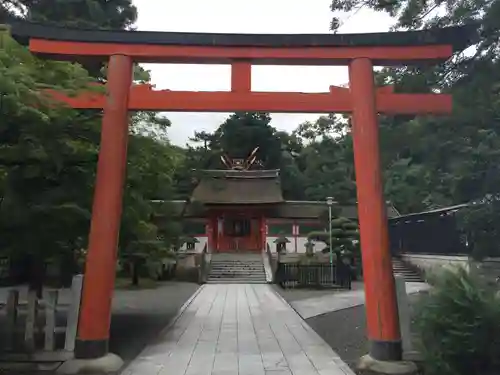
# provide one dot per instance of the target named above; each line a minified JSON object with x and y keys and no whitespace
{"x":241,"y":268}
{"x":409,"y":274}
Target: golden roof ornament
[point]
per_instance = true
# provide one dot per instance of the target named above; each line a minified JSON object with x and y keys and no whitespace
{"x":240,"y":164}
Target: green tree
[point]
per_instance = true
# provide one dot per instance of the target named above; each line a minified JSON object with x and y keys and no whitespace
{"x":237,"y":137}
{"x":329,"y":170}
{"x":479,"y":223}
{"x":242,"y":132}
{"x":411,"y":14}
{"x":88,"y":14}
{"x":344,"y":237}
{"x":47,"y":164}
{"x":442,"y":161}
{"x":430,"y":161}
{"x":330,"y":125}
{"x":85,"y":14}
{"x":427,"y":161}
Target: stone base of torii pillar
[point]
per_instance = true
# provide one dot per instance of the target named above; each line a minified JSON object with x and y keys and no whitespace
{"x":370,"y":366}
{"x":109,"y":364}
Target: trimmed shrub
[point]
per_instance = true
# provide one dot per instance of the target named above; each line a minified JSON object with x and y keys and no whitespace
{"x":458,"y":324}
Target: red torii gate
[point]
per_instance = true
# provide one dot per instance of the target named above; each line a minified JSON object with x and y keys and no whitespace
{"x":359,"y":51}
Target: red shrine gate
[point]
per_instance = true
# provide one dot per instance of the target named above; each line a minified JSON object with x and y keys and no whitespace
{"x":359,"y":51}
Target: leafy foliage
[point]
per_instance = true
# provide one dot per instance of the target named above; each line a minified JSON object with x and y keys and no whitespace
{"x":459,"y":326}
{"x":86,"y":14}
{"x":344,"y":237}
{"x":237,"y":137}
{"x":46,"y":163}
{"x":48,"y":152}
{"x":104,"y":14}
{"x":431,"y":162}
{"x":414,"y":14}
{"x":480,"y":223}
{"x":329,"y":170}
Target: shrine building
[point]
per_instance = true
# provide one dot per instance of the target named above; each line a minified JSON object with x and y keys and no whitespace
{"x":237,"y":210}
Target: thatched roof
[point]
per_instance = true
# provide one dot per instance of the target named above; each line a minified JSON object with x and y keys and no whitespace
{"x":308,"y":210}
{"x":223,"y":189}
{"x":238,"y":187}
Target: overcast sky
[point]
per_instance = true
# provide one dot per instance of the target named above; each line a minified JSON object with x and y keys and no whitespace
{"x":243,"y":16}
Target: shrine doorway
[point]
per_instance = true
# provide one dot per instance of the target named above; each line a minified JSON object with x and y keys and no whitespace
{"x":238,"y":233}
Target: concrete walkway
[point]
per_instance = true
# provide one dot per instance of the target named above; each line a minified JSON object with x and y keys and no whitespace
{"x":311,"y":307}
{"x":238,"y":329}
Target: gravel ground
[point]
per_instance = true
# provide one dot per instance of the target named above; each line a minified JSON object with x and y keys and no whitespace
{"x":139,"y":316}
{"x":300,"y":294}
{"x":343,"y":330}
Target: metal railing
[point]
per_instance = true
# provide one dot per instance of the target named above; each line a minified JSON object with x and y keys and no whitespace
{"x":295,"y":275}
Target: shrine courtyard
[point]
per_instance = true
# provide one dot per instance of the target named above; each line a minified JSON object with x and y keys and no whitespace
{"x":242,"y":328}
{"x":238,"y":329}
{"x":228,"y":328}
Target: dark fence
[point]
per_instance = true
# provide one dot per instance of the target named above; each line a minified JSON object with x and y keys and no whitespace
{"x":294,"y":275}
{"x":432,"y":232}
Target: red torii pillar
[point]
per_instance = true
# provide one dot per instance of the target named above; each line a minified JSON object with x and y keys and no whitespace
{"x":98,"y":283}
{"x":380,"y":293}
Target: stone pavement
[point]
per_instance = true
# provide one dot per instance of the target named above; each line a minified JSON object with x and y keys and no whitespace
{"x":238,"y":329}
{"x":311,"y":307}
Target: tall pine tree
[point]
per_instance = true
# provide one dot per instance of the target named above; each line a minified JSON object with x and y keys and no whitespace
{"x":101,"y":14}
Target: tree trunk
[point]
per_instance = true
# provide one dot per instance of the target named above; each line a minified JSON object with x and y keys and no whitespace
{"x":67,"y":269}
{"x":36,"y":277}
{"x":136,"y":265}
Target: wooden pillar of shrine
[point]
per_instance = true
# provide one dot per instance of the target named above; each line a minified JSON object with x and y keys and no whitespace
{"x":98,"y":285}
{"x":381,"y":304}
{"x":263,"y":234}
